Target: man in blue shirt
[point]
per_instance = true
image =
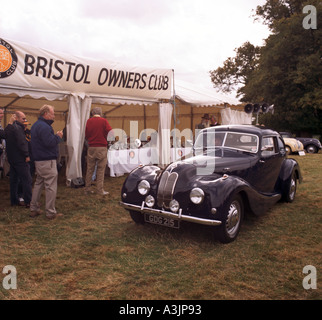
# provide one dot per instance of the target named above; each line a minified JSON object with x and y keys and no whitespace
{"x":44,"y":146}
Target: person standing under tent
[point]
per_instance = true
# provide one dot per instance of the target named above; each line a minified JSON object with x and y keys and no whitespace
{"x":1,"y":129}
{"x":204,"y":122}
{"x":19,"y":158}
{"x":2,"y":136}
{"x":96,"y":131}
{"x":213,"y":122}
{"x":44,"y":145}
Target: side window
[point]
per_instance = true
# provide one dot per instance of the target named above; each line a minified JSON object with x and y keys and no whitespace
{"x":280,"y":142}
{"x":269,"y":145}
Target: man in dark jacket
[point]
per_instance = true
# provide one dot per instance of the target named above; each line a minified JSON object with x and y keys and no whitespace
{"x":2,"y":136}
{"x":18,"y":157}
{"x":44,"y":145}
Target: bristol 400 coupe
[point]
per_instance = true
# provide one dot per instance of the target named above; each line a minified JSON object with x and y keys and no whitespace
{"x":233,"y":170}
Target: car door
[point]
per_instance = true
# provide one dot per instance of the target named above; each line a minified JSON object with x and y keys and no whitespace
{"x":267,"y":168}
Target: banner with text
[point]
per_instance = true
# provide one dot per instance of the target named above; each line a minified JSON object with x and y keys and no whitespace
{"x":26,"y":67}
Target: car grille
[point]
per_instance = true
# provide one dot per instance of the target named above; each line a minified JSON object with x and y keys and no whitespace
{"x":166,"y":188}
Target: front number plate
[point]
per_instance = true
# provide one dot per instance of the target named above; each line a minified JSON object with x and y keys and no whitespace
{"x":167,"y":222}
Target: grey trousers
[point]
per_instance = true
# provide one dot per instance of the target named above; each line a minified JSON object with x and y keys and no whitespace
{"x":46,"y":177}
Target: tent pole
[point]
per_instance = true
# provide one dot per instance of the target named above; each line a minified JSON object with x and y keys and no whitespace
{"x":191,"y":118}
{"x":5,"y":109}
{"x":174,"y":117}
{"x":144,"y":112}
{"x":117,"y":107}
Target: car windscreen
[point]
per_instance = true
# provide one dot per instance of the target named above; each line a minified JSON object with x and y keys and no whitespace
{"x":209,"y":140}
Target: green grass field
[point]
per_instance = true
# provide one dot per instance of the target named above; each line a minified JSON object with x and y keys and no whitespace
{"x":97,"y":252}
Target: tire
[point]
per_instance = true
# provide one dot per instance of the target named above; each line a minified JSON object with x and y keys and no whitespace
{"x":311,"y":148}
{"x":234,"y":213}
{"x":290,"y":190}
{"x":137,"y":217}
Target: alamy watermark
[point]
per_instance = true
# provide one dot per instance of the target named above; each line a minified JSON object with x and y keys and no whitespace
{"x":10,"y":279}
{"x":310,"y":281}
{"x":310,"y":21}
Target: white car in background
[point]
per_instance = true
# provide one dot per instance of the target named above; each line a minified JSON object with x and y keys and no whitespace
{"x":293,"y":145}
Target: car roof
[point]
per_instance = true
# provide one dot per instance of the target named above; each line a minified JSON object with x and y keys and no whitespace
{"x":258,"y":130}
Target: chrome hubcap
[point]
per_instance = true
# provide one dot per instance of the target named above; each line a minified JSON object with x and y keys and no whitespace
{"x":292,"y":189}
{"x":233,"y":218}
{"x":310,"y":149}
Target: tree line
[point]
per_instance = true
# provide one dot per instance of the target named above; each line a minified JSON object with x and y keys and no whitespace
{"x":286,"y":71}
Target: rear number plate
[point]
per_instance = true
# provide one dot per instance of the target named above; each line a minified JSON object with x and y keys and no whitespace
{"x":167,"y":222}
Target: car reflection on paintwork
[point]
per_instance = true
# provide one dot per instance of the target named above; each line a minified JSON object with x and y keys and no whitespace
{"x":233,"y":170}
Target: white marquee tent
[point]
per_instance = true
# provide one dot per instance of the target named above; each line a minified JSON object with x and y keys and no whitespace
{"x":204,"y":98}
{"x":30,"y":76}
{"x":38,"y":73}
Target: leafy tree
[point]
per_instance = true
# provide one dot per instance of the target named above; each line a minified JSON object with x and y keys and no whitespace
{"x":237,"y":70}
{"x":276,"y":10}
{"x":288,"y":69}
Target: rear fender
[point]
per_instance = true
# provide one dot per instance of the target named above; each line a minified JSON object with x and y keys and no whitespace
{"x":288,"y":167}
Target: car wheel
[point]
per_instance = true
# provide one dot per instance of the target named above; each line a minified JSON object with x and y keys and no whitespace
{"x":311,"y":149}
{"x":290,"y":191}
{"x":229,"y":229}
{"x":288,"y":150}
{"x":137,"y":217}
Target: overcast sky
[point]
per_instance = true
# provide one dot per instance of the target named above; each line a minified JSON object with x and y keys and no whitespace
{"x":190,"y":36}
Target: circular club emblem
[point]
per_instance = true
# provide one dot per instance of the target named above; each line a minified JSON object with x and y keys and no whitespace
{"x":8,"y":59}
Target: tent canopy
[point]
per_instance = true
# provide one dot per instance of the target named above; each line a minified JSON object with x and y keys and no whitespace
{"x":26,"y":68}
{"x":30,"y":77}
{"x":200,"y":96}
{"x":38,"y":73}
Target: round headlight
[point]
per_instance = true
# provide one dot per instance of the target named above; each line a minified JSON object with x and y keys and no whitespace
{"x":197,"y":195}
{"x":144,"y":187}
{"x":174,"y":205}
{"x":149,"y":201}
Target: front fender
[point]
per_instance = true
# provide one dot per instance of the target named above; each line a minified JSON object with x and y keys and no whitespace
{"x":227,"y":187}
{"x":149,"y":173}
{"x":223,"y":188}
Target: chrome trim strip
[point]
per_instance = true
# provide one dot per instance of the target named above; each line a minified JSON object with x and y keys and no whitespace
{"x":163,"y":180}
{"x":166,"y":188}
{"x":168,"y":214}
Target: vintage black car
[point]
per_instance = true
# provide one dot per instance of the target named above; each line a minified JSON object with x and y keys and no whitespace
{"x":233,"y":170}
{"x":311,"y":145}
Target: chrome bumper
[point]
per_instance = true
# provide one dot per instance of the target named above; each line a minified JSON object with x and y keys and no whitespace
{"x":167,"y":214}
